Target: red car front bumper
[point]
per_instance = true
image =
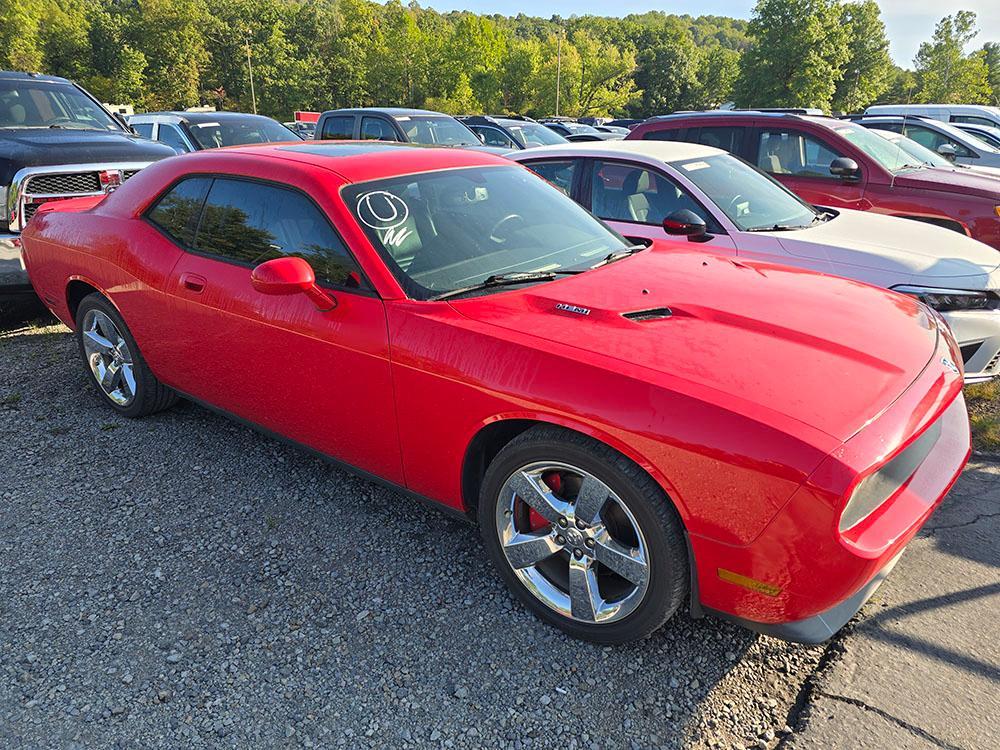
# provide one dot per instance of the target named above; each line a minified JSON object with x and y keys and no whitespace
{"x":804,"y":576}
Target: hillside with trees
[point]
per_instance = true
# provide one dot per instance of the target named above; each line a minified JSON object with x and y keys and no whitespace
{"x":317,"y":54}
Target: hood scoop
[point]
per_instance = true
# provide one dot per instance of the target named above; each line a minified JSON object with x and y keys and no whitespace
{"x":645,"y":316}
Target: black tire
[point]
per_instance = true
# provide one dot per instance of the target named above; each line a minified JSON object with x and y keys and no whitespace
{"x":649,"y":505}
{"x":150,"y":394}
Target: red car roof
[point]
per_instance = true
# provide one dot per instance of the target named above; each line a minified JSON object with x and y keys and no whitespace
{"x":357,"y":161}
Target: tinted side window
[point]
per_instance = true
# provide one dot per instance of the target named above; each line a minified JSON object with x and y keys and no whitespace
{"x":666,"y":134}
{"x":494,"y":137}
{"x":177,"y":212}
{"x":249,"y":222}
{"x":934,"y":140}
{"x":339,"y":128}
{"x":791,"y":153}
{"x":973,"y":120}
{"x":559,"y":173}
{"x":145,"y":129}
{"x":170,"y":135}
{"x":628,"y":192}
{"x":727,"y":138}
{"x":376,"y":129}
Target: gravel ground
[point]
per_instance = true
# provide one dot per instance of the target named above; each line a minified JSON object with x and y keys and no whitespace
{"x":182,"y":581}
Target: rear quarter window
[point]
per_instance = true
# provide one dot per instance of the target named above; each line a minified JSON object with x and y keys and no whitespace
{"x":177,"y":212}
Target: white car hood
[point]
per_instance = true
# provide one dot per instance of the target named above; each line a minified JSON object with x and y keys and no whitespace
{"x":896,"y":251}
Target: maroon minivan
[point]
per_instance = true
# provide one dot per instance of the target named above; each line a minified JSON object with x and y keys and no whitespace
{"x":836,"y":163}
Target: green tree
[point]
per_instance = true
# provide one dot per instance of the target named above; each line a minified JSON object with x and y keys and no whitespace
{"x":796,"y":56}
{"x":991,"y":56}
{"x":20,"y":41}
{"x":171,"y":34}
{"x":902,"y":87}
{"x":667,"y":69}
{"x":718,"y":69}
{"x":867,"y":72}
{"x":945,"y":72}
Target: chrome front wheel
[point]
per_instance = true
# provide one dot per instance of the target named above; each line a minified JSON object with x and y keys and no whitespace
{"x":572,"y":542}
{"x":109,"y":357}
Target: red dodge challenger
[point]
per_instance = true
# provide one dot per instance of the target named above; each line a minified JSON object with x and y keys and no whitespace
{"x":631,"y":426}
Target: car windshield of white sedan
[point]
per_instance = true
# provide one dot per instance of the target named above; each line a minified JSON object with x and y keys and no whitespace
{"x":435,"y":130}
{"x":753,"y":201}
{"x":232,"y":132}
{"x":533,"y":134}
{"x":452,"y":229}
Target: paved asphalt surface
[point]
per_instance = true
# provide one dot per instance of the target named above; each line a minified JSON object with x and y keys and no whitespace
{"x":182,"y":581}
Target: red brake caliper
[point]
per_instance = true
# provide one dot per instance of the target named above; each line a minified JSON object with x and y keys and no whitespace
{"x":535,"y":519}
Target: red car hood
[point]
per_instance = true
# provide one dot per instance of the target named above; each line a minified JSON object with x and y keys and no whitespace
{"x":962,"y":181}
{"x":829,"y":352}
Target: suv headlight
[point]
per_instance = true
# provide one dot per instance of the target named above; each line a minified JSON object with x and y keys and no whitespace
{"x":950,"y":300}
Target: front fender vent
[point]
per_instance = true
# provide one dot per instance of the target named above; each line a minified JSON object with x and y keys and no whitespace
{"x":644,"y":316}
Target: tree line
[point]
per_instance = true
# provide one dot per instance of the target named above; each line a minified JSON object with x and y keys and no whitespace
{"x":318,"y":54}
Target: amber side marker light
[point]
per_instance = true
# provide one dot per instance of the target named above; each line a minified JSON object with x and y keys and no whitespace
{"x":749,"y":583}
{"x":997,"y":210}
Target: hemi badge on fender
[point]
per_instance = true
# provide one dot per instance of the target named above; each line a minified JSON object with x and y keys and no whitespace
{"x":572,"y":308}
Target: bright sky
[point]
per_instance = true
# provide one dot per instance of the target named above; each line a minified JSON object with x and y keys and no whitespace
{"x":908,"y":22}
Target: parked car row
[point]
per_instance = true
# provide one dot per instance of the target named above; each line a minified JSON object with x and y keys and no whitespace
{"x":662,"y":374}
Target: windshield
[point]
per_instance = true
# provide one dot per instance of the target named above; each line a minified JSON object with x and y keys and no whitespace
{"x":577,"y":127}
{"x":446,"y":230}
{"x":889,"y":155}
{"x":437,"y":130}
{"x":532,"y":134}
{"x":914,"y":149}
{"x":40,"y":104}
{"x":752,"y":200}
{"x":963,"y":137}
{"x":240,"y":132}
{"x":989,"y":136}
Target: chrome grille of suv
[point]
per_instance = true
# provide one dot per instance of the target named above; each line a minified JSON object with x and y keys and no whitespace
{"x":64,"y":184}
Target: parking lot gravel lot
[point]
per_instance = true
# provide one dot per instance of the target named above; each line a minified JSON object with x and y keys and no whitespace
{"x":183,"y":581}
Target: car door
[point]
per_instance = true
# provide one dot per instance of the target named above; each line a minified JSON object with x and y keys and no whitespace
{"x":338,"y":128}
{"x":801,"y":161}
{"x":563,"y":173}
{"x":634,"y":199}
{"x":171,"y":135}
{"x":377,"y":129}
{"x":319,"y":378}
{"x":934,"y":139}
{"x":494,"y":136}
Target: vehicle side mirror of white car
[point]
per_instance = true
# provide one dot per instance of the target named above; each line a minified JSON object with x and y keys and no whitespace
{"x":948,"y":151}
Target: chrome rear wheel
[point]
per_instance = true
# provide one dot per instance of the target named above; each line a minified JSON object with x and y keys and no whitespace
{"x":109,"y":357}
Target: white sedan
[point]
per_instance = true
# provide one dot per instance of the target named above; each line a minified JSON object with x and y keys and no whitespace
{"x":644,"y":189}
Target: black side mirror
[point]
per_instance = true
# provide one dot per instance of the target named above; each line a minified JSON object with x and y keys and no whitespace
{"x":948,"y":151}
{"x":686,"y":223}
{"x":845,"y":169}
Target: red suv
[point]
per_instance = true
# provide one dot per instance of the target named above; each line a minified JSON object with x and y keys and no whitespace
{"x":839,"y":164}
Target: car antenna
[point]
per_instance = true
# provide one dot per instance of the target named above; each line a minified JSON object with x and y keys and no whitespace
{"x":892,"y":180}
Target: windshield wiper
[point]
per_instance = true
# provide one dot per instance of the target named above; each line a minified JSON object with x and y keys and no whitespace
{"x":505,"y":279}
{"x":778,"y":228}
{"x":619,"y":254}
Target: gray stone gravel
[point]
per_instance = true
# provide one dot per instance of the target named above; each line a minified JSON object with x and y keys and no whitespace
{"x":182,"y":581}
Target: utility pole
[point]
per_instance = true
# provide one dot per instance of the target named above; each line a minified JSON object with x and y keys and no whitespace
{"x":558,"y":70}
{"x":253,"y":95}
